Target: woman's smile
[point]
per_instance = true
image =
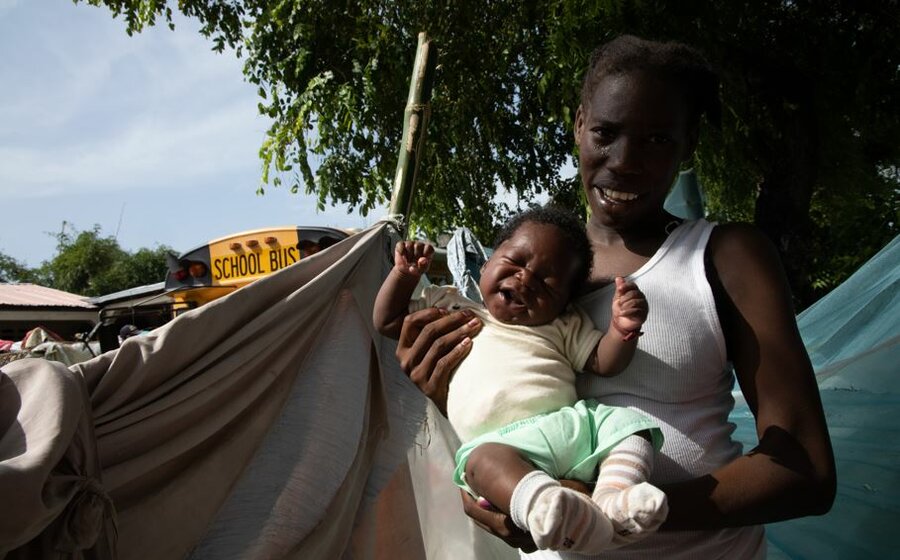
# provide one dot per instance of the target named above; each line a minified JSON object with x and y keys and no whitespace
{"x":618,"y":196}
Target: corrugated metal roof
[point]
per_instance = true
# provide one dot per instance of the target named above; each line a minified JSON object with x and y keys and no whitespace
{"x":32,"y":295}
{"x":149,"y":289}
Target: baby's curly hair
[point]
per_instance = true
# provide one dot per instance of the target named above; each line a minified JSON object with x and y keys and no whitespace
{"x":680,"y":63}
{"x":568,"y":223}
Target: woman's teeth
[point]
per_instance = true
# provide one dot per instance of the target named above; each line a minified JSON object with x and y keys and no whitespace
{"x":618,"y":195}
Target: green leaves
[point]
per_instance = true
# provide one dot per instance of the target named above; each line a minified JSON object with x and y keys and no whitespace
{"x":90,"y":264}
{"x":809,"y":89}
{"x":12,"y":270}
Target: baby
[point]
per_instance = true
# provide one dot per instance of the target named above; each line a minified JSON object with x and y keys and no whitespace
{"x":512,"y":400}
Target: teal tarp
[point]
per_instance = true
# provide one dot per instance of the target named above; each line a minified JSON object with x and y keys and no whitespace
{"x":853,"y":339}
{"x":686,"y":199}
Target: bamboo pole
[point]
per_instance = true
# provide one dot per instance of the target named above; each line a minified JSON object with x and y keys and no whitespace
{"x":415,"y":124}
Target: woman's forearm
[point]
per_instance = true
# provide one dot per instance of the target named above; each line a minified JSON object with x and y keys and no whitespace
{"x":774,"y":482}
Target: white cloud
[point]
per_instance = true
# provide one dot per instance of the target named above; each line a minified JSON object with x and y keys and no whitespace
{"x":155,"y":127}
{"x":101,"y":111}
{"x":152,"y":151}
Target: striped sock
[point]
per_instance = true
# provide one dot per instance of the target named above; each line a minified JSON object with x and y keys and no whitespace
{"x":559,"y":518}
{"x":635,"y":507}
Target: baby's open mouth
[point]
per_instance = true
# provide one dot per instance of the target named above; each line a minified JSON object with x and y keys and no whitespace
{"x":510,"y":296}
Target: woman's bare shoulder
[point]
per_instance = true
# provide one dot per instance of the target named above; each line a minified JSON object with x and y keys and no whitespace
{"x":738,"y":248}
{"x":748,"y":269}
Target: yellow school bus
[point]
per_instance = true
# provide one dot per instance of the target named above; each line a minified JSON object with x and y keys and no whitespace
{"x":225,"y":264}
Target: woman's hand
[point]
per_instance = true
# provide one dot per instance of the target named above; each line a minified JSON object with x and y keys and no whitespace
{"x":497,"y":523}
{"x":432,"y":343}
{"x":577,"y":485}
{"x":501,"y":525}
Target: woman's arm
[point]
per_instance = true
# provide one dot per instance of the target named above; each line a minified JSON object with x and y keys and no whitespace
{"x":500,"y":524}
{"x":791,"y":472}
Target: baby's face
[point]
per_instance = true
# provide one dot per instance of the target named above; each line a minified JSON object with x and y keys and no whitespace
{"x":528,"y":279}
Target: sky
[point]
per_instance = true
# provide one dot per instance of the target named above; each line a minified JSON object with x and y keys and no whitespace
{"x":154,"y":137}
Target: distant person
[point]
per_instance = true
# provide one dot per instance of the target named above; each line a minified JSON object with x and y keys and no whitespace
{"x":327,"y":241}
{"x":127,"y":332}
{"x":308,"y":248}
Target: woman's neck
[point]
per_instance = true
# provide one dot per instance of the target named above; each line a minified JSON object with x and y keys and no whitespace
{"x":644,"y":238}
{"x":622,"y":251}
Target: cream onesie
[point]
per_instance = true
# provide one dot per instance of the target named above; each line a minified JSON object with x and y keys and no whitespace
{"x":517,"y":387}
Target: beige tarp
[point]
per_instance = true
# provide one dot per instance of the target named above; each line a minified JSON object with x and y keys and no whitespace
{"x":267,"y":424}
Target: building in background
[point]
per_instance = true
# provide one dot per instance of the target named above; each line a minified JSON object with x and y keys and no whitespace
{"x":24,"y":307}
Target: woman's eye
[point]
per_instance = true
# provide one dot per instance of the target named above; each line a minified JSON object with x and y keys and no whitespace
{"x":604,"y":135}
{"x":660,"y":138}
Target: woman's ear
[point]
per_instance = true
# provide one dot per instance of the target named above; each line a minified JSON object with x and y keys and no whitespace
{"x":579,"y":124}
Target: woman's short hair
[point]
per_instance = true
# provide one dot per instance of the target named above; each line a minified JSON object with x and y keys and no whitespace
{"x":680,"y":63}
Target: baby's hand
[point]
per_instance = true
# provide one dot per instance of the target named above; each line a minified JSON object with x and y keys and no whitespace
{"x":629,"y":308}
{"x":412,"y":258}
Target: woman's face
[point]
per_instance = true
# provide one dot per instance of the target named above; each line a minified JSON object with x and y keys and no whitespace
{"x":632,"y":137}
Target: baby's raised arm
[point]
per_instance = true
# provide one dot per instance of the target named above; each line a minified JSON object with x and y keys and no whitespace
{"x":411,"y":261}
{"x":616,"y":349}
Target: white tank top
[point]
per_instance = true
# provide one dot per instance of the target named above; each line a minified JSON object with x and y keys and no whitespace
{"x":680,"y":377}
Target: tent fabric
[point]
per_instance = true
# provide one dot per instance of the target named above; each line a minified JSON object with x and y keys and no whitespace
{"x":465,"y":257}
{"x":853,"y":339}
{"x":447,"y":533}
{"x":49,"y":468}
{"x":66,"y":352}
{"x":263,"y":424}
{"x":686,"y":199}
{"x":42,"y":343}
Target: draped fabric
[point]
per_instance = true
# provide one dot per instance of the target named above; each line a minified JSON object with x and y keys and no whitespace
{"x":465,"y":257}
{"x":262,"y":425}
{"x":447,"y":534}
{"x":50,"y":492}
